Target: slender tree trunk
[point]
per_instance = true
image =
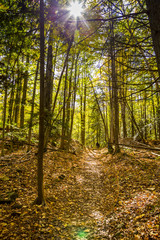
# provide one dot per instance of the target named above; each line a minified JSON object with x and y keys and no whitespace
{"x":106,"y":123}
{"x":68,"y":104}
{"x":111,"y":139}
{"x":115,"y":92}
{"x":145,"y":115}
{"x":40,"y":198}
{"x":154,"y":117}
{"x":123,"y":110}
{"x":32,"y":107}
{"x":134,"y":121}
{"x":74,"y":97}
{"x":83,"y":112}
{"x":132,"y":114}
{"x":23,"y":102}
{"x":18,"y":98}
{"x":158,"y":109}
{"x":48,"y":83}
{"x":123,"y":101}
{"x":64,"y":111}
{"x":4,"y":117}
{"x":10,"y":109}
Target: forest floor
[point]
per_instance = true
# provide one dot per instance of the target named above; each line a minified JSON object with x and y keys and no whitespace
{"x":89,"y":196}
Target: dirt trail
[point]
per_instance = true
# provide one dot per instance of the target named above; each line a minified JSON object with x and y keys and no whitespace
{"x":90,"y":198}
{"x":82,"y":200}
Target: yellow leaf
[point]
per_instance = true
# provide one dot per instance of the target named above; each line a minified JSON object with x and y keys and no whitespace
{"x":149,"y":225}
{"x":140,"y":216}
{"x":4,"y":224}
{"x":58,"y":228}
{"x":136,"y":237}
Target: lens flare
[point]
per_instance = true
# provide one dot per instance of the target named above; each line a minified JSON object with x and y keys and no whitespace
{"x":82,"y":235}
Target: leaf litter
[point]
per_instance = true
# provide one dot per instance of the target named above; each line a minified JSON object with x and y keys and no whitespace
{"x":92,"y":195}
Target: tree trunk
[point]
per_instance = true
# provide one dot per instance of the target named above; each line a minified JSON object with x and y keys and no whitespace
{"x":134,"y":122}
{"x":40,"y":198}
{"x":64,"y":111}
{"x":154,"y":116}
{"x":83,"y":113}
{"x":48,"y":84}
{"x":158,"y":110}
{"x":24,"y":96}
{"x":18,"y":97}
{"x":74,"y":97}
{"x":123,"y":101}
{"x":4,"y":117}
{"x":111,"y":138}
{"x":114,"y":91}
{"x":106,"y":123}
{"x":153,"y":8}
{"x":132,"y":114}
{"x":68,"y":104}
{"x":10,"y":109}
{"x":32,"y":107}
{"x":145,"y":115}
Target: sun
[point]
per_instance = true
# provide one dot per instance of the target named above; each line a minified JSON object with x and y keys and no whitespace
{"x":75,"y":9}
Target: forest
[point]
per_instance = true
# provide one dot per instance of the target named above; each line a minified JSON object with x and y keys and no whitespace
{"x":80,"y":119}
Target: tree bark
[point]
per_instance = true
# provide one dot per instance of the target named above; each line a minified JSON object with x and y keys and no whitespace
{"x":10,"y":109}
{"x":83,"y":113}
{"x":4,"y":117}
{"x":18,"y":97}
{"x":32,"y":107}
{"x":40,"y":198}
{"x":74,"y":97}
{"x":114,"y":91}
{"x":68,"y":104}
{"x":24,"y":95}
{"x":153,"y":8}
{"x":48,"y":83}
{"x":64,"y":111}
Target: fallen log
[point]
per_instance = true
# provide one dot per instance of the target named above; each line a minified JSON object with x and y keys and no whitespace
{"x":141,"y":147}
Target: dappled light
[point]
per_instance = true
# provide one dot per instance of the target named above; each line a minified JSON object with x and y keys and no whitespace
{"x":79,"y":120}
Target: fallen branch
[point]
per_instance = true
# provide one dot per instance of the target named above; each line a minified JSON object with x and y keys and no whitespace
{"x":155,"y":154}
{"x":24,"y":155}
{"x":141,"y":147}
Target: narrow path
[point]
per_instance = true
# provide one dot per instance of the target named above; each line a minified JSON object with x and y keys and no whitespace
{"x":81,"y":199}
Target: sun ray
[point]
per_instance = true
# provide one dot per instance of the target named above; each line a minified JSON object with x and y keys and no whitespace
{"x":75,"y":9}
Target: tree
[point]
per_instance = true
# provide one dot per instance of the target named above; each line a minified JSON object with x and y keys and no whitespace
{"x":153,"y":8}
{"x":40,"y":198}
{"x":24,"y":94}
{"x":94,"y":73}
